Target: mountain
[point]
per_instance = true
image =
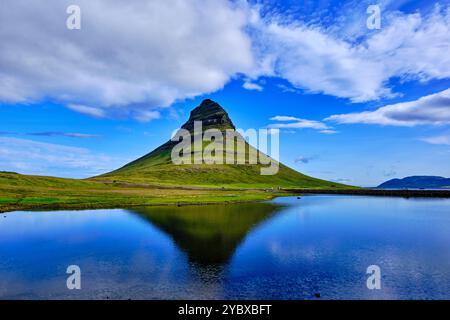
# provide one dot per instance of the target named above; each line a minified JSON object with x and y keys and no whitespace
{"x":417,"y":182}
{"x":157,"y":167}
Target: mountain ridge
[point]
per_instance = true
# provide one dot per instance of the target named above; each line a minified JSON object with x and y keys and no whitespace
{"x":425,"y":182}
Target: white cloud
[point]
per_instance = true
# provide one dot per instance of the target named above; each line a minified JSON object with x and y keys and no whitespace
{"x":328,"y":131}
{"x":143,"y":55}
{"x":94,"y":112}
{"x":302,"y":124}
{"x":342,"y":180}
{"x":33,"y":157}
{"x":297,"y":123}
{"x":440,"y":140}
{"x":304,"y":159}
{"x":433,"y":109}
{"x":64,"y":134}
{"x":252,"y":86}
{"x":139,"y":56}
{"x":289,"y":89}
{"x":318,"y":60}
{"x":146,"y":116}
{"x":284,"y":118}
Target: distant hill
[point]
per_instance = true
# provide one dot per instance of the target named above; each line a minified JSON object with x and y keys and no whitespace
{"x":157,"y":168}
{"x":417,"y":182}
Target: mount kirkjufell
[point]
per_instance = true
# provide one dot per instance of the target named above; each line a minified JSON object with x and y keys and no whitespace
{"x":157,"y":167}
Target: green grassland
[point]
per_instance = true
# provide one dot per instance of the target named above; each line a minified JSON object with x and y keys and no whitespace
{"x":24,"y":192}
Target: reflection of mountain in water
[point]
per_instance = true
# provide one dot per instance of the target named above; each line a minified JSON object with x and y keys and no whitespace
{"x":208,"y":234}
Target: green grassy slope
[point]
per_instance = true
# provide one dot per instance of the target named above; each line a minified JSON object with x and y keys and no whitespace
{"x":24,"y":192}
{"x":157,"y":167}
{"x":241,"y":176}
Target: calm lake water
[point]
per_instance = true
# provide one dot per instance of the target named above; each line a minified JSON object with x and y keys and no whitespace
{"x":285,"y":249}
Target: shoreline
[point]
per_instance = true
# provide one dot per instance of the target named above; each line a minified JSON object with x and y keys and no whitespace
{"x":281,"y":193}
{"x":80,"y":207}
{"x":377,"y":192}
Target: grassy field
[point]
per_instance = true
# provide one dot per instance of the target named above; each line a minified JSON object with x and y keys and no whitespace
{"x":24,"y":192}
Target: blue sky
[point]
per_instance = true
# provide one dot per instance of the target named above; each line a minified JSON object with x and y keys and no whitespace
{"x":363,"y":105}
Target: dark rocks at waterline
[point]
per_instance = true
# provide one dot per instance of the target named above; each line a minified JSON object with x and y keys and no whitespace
{"x":377,"y":192}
